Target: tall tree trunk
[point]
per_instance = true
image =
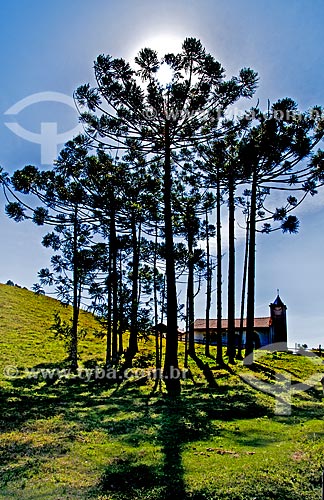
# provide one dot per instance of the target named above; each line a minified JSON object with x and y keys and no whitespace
{"x":187,"y":333}
{"x":114,"y":285}
{"x":133,"y":346}
{"x":219,"y":356}
{"x":208,"y":287}
{"x":162,"y":319}
{"x":246,"y":253}
{"x":190,"y":296}
{"x":75,"y":319}
{"x":121,"y":307}
{"x":109,"y":309}
{"x":171,"y":349}
{"x":156,"y":318}
{"x":231,"y":272}
{"x":251,"y":276}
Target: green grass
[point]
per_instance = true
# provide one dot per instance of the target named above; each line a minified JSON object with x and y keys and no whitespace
{"x":25,"y":338}
{"x":68,"y":439}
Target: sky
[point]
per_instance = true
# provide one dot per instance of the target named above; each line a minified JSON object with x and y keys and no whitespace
{"x":48,"y":49}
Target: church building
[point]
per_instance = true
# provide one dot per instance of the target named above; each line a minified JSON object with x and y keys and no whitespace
{"x":267,"y":330}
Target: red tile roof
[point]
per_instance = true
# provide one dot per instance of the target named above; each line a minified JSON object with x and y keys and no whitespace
{"x":200,"y":324}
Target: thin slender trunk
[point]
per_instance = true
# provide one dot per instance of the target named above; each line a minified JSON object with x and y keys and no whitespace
{"x":162,"y":319}
{"x":171,"y":350}
{"x":219,"y":356}
{"x":156,"y":319}
{"x":109,"y":309}
{"x":190,"y":296}
{"x":231,"y":272}
{"x":76,"y":307}
{"x":251,"y":276}
{"x":246,"y":253}
{"x":163,"y":300}
{"x":121,"y":308}
{"x":133,"y":346}
{"x":79,"y":295}
{"x":186,"y":334}
{"x":208,"y":288}
{"x":114,"y":285}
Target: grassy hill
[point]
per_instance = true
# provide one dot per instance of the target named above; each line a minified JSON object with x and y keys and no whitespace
{"x":66,"y":438}
{"x":25,"y":338}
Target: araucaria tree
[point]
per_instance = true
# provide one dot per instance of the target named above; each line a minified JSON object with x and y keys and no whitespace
{"x":276,"y":155}
{"x":124,"y":113}
{"x":62,"y":207}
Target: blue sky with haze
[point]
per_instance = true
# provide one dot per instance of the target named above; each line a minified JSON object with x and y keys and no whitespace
{"x":51,"y":46}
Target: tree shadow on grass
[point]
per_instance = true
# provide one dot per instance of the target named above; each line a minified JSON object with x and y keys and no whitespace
{"x":181,"y":422}
{"x":135,"y":420}
{"x":205,"y":368}
{"x":263,"y":369}
{"x":127,"y":478}
{"x":32,"y":399}
{"x":14,"y":450}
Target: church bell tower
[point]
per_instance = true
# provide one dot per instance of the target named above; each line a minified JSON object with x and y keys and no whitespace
{"x":279,"y":322}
